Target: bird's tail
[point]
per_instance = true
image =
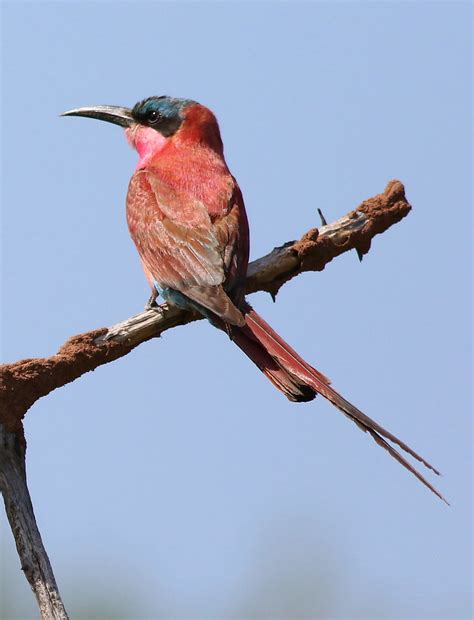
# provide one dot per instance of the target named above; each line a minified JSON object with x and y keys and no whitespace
{"x":299,"y":381}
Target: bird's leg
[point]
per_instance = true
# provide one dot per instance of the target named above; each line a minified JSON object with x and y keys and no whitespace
{"x":151,"y":303}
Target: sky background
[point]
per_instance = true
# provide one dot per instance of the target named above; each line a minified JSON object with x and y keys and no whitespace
{"x":176,"y":482}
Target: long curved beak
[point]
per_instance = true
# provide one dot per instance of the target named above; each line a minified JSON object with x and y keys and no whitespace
{"x":110,"y":113}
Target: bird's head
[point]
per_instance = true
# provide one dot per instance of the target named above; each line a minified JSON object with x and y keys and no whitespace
{"x":156,"y":122}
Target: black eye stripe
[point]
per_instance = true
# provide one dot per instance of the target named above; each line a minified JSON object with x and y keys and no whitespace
{"x":167,"y":121}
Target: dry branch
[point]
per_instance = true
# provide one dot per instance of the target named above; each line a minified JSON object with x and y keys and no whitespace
{"x":22,"y":383}
{"x":25,"y":381}
{"x":33,"y":557}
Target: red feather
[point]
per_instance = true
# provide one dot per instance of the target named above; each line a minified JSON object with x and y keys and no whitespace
{"x":300,"y":382}
{"x":187,"y":218}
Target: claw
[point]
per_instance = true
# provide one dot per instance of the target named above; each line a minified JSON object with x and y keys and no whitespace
{"x":151,"y":303}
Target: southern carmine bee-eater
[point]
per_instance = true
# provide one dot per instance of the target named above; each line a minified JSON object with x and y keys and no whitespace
{"x":186,"y":215}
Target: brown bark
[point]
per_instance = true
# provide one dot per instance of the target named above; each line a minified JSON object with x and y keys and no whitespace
{"x":25,"y":381}
{"x":22,"y":383}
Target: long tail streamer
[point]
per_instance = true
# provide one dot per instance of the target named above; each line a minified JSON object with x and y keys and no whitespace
{"x":301,"y":382}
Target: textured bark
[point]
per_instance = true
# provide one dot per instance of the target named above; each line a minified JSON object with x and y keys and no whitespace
{"x":34,"y":560}
{"x":22,"y":383}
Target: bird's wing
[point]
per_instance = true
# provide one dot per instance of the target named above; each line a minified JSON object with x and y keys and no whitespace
{"x":180,"y":246}
{"x":232,"y":234}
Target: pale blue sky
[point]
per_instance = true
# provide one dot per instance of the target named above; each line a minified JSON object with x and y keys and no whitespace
{"x":176,"y":482}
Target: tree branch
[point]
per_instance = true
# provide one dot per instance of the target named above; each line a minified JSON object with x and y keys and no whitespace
{"x":34,"y":560}
{"x":25,"y":381}
{"x":22,"y":383}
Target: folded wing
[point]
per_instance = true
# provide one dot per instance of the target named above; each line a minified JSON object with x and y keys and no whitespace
{"x":180,"y":246}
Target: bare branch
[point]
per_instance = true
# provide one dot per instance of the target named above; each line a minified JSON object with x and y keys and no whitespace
{"x":33,"y":557}
{"x":22,"y":383}
{"x":26,"y":381}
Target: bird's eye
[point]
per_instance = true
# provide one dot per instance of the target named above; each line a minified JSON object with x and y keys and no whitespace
{"x":153,"y":116}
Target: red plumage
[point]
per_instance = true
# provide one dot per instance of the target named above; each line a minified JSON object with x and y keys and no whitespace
{"x":187,"y":218}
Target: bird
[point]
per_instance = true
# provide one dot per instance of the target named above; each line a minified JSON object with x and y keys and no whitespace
{"x":187,"y":218}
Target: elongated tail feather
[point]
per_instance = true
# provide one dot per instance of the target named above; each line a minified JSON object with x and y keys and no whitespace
{"x":299,"y":381}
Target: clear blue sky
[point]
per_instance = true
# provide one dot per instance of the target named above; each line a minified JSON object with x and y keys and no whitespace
{"x":176,"y":482}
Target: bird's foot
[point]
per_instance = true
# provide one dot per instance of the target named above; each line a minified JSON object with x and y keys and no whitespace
{"x":151,"y":303}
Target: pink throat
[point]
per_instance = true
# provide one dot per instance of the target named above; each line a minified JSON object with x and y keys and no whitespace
{"x":147,"y":141}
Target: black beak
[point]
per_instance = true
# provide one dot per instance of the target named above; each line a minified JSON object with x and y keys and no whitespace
{"x":110,"y":113}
